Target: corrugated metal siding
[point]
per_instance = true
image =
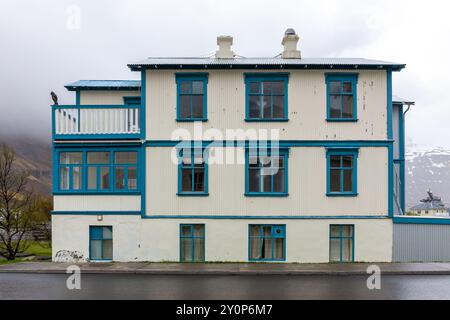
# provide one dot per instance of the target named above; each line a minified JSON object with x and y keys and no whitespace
{"x":421,"y":243}
{"x":105,"y":97}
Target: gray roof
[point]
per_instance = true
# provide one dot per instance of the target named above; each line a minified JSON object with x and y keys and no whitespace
{"x":264,"y":63}
{"x":397,"y":99}
{"x":104,"y":85}
{"x":430,"y":206}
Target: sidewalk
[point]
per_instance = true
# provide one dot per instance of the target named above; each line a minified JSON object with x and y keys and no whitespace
{"x":229,"y":268}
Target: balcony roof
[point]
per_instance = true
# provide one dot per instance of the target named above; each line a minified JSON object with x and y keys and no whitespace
{"x":398,"y":100}
{"x":104,"y":85}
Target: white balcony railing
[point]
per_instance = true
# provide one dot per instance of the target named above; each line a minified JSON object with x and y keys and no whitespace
{"x":94,"y":120}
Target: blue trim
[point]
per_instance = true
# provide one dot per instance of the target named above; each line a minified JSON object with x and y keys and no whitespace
{"x":340,"y":238}
{"x":95,"y":213}
{"x":341,"y":78}
{"x":402,"y":156}
{"x":96,"y":233}
{"x":389,"y":103}
{"x":259,"y":78}
{"x":77,"y":98}
{"x":272,"y":237}
{"x":343,"y":152}
{"x":421,"y":220}
{"x":282,"y":153}
{"x":132,"y":100}
{"x":192,"y":237}
{"x":189,"y":78}
{"x":235,"y":217}
{"x":193,"y":151}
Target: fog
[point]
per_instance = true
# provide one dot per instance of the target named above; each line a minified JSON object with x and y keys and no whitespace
{"x":42,"y":50}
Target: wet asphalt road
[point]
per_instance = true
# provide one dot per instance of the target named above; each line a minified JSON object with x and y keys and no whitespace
{"x":97,"y":286}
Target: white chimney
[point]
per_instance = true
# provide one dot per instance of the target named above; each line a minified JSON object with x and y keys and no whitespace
{"x":289,"y":42}
{"x":224,"y":43}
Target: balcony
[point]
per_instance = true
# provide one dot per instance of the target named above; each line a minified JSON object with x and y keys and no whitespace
{"x":81,"y":122}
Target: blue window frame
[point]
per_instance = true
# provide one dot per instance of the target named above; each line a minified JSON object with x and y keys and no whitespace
{"x":266,"y":174}
{"x":341,"y":96}
{"x":266,"y":97}
{"x":192,"y":243}
{"x":342,"y":172}
{"x":342,"y":243}
{"x":267,"y":242}
{"x":192,"y":172}
{"x":192,"y":96}
{"x":101,"y":243}
{"x":97,"y":171}
{"x":132,"y":100}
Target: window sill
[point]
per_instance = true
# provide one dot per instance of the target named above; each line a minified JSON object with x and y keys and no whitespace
{"x":266,"y":260}
{"x":100,"y":260}
{"x":268,"y":195}
{"x":342,"y":120}
{"x":95,"y":193}
{"x":192,"y":194}
{"x":266,"y":120}
{"x":191,"y":120}
{"x":342,"y":194}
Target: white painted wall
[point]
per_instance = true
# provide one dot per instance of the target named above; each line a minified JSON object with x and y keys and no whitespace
{"x":102,"y":97}
{"x":307,"y":241}
{"x":307,"y":187}
{"x":306,"y":106}
{"x":97,"y":203}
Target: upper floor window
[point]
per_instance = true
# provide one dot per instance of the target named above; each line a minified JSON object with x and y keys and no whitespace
{"x":98,"y":171}
{"x":192,"y":172}
{"x":341,"y":97}
{"x":342,"y":172}
{"x":191,"y":97}
{"x":266,"y":173}
{"x":266,"y":97}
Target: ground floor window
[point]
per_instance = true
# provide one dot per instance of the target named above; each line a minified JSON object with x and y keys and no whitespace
{"x":100,"y":243}
{"x":267,"y":242}
{"x":192,"y":242}
{"x":342,"y":243}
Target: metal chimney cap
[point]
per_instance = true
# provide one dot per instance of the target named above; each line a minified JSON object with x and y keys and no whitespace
{"x":289,"y":31}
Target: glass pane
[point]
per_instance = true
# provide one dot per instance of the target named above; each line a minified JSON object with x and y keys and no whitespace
{"x":96,"y":249}
{"x":132,"y":178}
{"x":197,"y":87}
{"x":199,"y":249}
{"x":347,"y":231}
{"x":107,"y":232}
{"x":347,"y":107}
{"x":76,"y":176}
{"x":335,"y":180}
{"x":335,"y":231}
{"x":186,"y":180}
{"x":267,"y":183}
{"x":199,"y":180}
{"x":335,"y":250}
{"x":278,"y":106}
{"x":278,"y":250}
{"x":197,"y":106}
{"x":348,"y":180}
{"x":126,"y":157}
{"x":335,"y":106}
{"x":107,"y":249}
{"x":185,"y":87}
{"x":255,"y":230}
{"x":254,"y":106}
{"x":347,"y":161}
{"x":266,"y":107}
{"x":186,"y":249}
{"x":70,"y":157}
{"x":347,"y":249}
{"x":334,"y":87}
{"x":253,"y":180}
{"x":198,"y":158}
{"x":120,"y":178}
{"x":104,"y":178}
{"x":254,"y":87}
{"x":266,"y":87}
{"x":335,"y":161}
{"x":92,"y":178}
{"x":185,"y":107}
{"x":255,"y":248}
{"x":267,"y":231}
{"x":278,"y":181}
{"x":267,"y":248}
{"x":199,"y":230}
{"x":278,"y":87}
{"x":98,"y":157}
{"x":64,"y":178}
{"x":186,"y":231}
{"x":348,"y":87}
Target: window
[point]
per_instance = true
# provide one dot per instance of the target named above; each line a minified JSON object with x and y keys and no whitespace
{"x":192,"y":242}
{"x":98,"y":171}
{"x":341,"y":96}
{"x":70,"y":170}
{"x":267,"y":242}
{"x":100,"y":243}
{"x":266,"y":97}
{"x":191,"y":97}
{"x":192,"y":172}
{"x":342,"y":243}
{"x":266,"y":174}
{"x":342,"y":172}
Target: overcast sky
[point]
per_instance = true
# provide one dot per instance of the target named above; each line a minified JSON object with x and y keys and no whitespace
{"x":41,"y":48}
